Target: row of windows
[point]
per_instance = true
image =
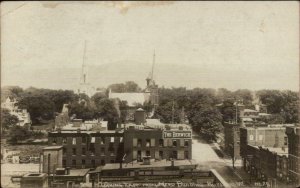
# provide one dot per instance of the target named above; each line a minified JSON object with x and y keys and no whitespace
{"x":160,"y":154}
{"x":84,"y":140}
{"x":151,"y":143}
{"x":91,"y":151}
{"x":260,"y":138}
{"x":83,"y":162}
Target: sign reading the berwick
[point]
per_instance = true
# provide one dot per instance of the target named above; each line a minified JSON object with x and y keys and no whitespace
{"x":177,"y":134}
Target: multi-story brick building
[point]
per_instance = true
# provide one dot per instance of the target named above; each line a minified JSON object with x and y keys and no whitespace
{"x":270,"y":136}
{"x":91,"y":147}
{"x":293,"y":134}
{"x":87,"y":149}
{"x":267,"y":163}
{"x":158,"y":143}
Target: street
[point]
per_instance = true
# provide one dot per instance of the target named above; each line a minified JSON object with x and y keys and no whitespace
{"x":206,"y":156}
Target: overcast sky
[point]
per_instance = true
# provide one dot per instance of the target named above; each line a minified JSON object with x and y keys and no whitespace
{"x":222,"y":37}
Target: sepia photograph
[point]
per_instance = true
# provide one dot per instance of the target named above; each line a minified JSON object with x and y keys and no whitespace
{"x":153,"y":94}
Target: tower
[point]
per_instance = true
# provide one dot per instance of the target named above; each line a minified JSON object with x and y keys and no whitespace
{"x":152,"y":88}
{"x":84,"y":86}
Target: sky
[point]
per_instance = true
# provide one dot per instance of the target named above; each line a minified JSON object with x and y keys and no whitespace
{"x":258,"y":41}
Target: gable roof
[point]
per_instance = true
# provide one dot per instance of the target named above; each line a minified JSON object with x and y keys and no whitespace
{"x":132,"y":98}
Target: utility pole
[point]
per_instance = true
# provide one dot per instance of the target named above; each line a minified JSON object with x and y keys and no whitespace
{"x":173,"y":112}
{"x":153,"y":63}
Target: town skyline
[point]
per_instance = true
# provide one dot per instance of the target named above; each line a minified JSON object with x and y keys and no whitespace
{"x":204,"y":49}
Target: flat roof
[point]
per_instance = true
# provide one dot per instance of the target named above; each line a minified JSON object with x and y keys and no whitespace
{"x":277,"y":150}
{"x":76,"y":172}
{"x":52,"y":147}
{"x":153,"y":164}
{"x":88,"y":132}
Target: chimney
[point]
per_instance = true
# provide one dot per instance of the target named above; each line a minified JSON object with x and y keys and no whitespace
{"x":67,"y":170}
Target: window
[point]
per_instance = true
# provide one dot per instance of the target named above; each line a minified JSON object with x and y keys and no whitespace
{"x":148,"y":144}
{"x":139,"y":143}
{"x":102,"y":140}
{"x":161,"y":154}
{"x":73,"y":163}
{"x":74,"y":141}
{"x":102,"y":162}
{"x":92,"y":149}
{"x":84,"y":140}
{"x":64,"y":140}
{"x":112,"y":152}
{"x":139,"y":156}
{"x":161,"y":143}
{"x":112,"y":161}
{"x":285,"y":141}
{"x":174,"y":155}
{"x":260,"y":137}
{"x":93,"y":140}
{"x":83,"y":151}
{"x":93,"y":163}
{"x":102,"y":151}
{"x":64,"y":151}
{"x":175,"y":143}
{"x":64,"y":163}
{"x":112,"y":139}
{"x":186,"y":143}
{"x":186,"y":155}
{"x":54,"y":141}
{"x":74,"y":151}
{"x":121,"y":139}
{"x":83,"y":162}
{"x":251,"y":137}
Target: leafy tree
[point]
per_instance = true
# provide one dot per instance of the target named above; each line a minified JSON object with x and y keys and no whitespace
{"x":166,"y":111}
{"x":129,"y":86}
{"x":11,"y":91}
{"x":245,"y":95}
{"x":205,"y":120}
{"x":8,"y":120}
{"x":228,"y":110}
{"x":82,"y":111}
{"x":18,"y":133}
{"x":284,"y":103}
{"x":40,"y":107}
{"x":97,"y":97}
{"x":123,"y":107}
{"x":107,"y":110}
{"x":61,"y":97}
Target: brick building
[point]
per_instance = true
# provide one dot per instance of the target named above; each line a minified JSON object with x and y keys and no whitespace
{"x":293,"y":134}
{"x":267,"y":163}
{"x":88,"y":149}
{"x":232,"y":139}
{"x":91,"y":146}
{"x":157,"y":143}
{"x":270,"y":136}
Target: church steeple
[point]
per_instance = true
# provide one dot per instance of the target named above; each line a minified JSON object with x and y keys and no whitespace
{"x":149,"y":79}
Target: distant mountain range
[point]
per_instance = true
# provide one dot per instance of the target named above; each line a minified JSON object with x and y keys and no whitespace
{"x":167,"y":75}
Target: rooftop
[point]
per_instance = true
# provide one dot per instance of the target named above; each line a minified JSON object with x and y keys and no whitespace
{"x":76,"y":172}
{"x":52,"y":147}
{"x":132,"y":98}
{"x":153,"y":165}
{"x":277,"y":150}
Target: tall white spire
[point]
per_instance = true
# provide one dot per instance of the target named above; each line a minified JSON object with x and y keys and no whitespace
{"x":84,"y":69}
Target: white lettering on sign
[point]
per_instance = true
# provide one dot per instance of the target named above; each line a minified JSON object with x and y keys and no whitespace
{"x":177,"y":134}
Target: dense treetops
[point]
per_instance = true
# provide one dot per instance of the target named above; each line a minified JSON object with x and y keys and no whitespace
{"x":204,"y":108}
